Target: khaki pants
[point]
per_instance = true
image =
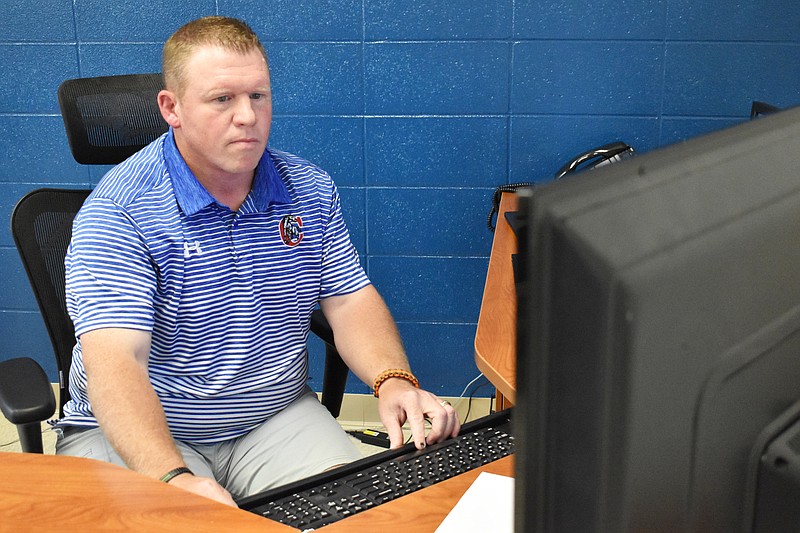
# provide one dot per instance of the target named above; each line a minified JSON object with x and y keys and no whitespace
{"x":300,"y":441}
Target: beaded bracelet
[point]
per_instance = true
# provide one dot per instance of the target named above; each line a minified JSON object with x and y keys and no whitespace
{"x":166,"y":478}
{"x":394,"y":373}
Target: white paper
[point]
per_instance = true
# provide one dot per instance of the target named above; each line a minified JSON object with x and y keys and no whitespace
{"x":488,"y":505}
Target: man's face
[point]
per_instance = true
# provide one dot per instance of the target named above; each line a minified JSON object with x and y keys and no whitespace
{"x":223,"y":114}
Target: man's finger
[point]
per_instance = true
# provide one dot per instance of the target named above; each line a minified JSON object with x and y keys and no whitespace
{"x":396,"y":436}
{"x":444,"y":422}
{"x":417,"y":424}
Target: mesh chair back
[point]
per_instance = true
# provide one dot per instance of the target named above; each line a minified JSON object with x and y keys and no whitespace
{"x":109,"y":118}
{"x":41,"y":224}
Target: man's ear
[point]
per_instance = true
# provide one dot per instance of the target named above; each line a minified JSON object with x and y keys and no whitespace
{"x":168,"y":105}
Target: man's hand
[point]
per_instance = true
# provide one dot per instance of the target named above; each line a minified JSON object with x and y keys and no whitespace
{"x":368,"y":341}
{"x":400,"y":401}
{"x":204,"y":487}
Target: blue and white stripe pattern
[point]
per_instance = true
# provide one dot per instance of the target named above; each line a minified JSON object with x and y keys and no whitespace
{"x":227,"y":300}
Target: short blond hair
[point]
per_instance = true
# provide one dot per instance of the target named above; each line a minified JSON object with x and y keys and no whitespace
{"x":228,"y":33}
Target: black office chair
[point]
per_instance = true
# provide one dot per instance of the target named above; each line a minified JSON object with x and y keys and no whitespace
{"x":107,"y":119}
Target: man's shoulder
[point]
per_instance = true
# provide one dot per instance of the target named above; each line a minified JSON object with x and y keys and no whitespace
{"x":300,"y":174}
{"x":286,"y":162}
{"x":138,"y":176}
{"x":286,"y":158}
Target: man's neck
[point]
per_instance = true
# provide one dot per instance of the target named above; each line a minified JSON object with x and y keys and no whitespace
{"x":231,"y":193}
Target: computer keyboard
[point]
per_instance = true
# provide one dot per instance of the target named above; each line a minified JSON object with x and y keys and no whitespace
{"x":319,"y":500}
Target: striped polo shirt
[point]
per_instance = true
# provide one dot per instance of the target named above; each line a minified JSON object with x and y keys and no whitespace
{"x":226,"y":295}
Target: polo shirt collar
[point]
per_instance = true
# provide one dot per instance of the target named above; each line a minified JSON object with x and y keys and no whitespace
{"x":268,"y":187}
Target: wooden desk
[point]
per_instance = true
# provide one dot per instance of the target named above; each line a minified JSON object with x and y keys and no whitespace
{"x":496,"y":335}
{"x":76,"y":494}
{"x":41,"y":492}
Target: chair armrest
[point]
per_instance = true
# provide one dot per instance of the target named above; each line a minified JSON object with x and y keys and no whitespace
{"x":26,"y":395}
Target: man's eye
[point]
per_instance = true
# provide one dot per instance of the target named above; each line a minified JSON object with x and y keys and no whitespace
{"x":257,"y":96}
{"x":222,"y":98}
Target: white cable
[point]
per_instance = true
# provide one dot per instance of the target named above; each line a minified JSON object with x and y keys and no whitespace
{"x":461,"y":397}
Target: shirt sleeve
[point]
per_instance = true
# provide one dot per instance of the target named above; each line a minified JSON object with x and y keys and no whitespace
{"x":342,"y":272}
{"x":110,"y":279}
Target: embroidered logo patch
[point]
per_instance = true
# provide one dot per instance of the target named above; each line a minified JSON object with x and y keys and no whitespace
{"x":291,"y":228}
{"x":188,"y":248}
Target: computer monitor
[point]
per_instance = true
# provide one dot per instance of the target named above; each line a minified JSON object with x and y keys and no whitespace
{"x":659,"y":340}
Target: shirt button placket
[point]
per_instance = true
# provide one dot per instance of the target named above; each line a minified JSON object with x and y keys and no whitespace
{"x":232,"y":222}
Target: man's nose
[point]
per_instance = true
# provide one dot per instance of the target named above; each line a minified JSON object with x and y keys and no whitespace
{"x":244,"y":112}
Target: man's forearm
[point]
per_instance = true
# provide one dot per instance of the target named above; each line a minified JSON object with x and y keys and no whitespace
{"x":127,"y":408}
{"x":133,"y":420}
{"x":365,"y":332}
{"x":129,"y":411}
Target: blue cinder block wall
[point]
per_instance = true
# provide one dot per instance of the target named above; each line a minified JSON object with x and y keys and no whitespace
{"x":418,"y":109}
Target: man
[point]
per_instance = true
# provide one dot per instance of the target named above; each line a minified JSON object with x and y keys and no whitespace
{"x":192,"y":273}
